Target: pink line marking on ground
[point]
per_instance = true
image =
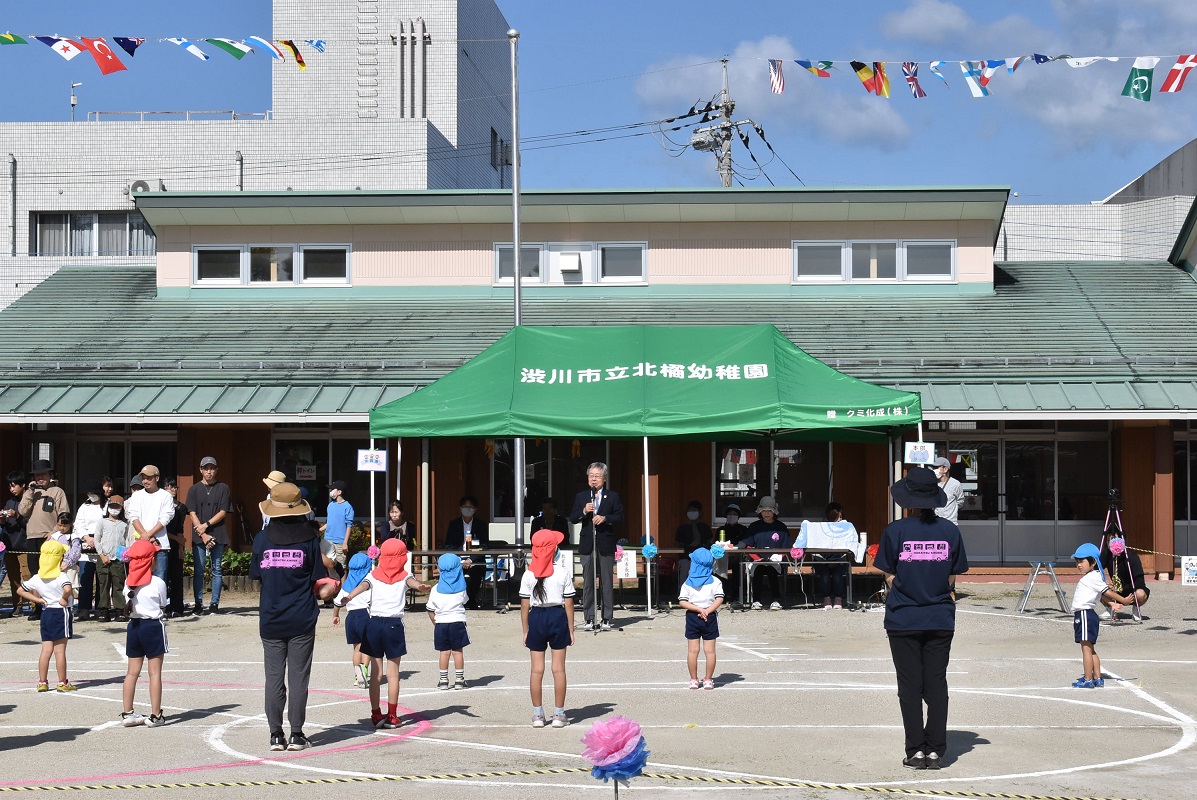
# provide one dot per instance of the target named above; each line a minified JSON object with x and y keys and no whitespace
{"x":421,"y":726}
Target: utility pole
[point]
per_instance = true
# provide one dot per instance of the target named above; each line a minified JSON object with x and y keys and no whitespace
{"x":718,"y":138}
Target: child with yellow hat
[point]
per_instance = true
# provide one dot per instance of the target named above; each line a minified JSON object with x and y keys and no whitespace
{"x":51,"y":588}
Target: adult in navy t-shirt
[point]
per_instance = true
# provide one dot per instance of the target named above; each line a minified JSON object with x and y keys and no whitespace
{"x":288,"y":562}
{"x":921,"y":557}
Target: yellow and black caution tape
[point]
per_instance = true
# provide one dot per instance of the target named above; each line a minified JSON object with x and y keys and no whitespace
{"x":521,"y":773}
{"x":1152,"y":552}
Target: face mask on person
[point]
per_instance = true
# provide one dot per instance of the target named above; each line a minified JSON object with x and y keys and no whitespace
{"x":334,"y":494}
{"x":733,"y":519}
{"x":692,"y":515}
{"x":467,"y":512}
{"x":92,"y":497}
{"x":114,"y":511}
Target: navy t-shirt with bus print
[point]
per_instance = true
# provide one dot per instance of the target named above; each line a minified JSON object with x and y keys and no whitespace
{"x":922,"y":557}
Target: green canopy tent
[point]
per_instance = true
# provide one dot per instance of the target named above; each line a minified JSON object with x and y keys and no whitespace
{"x":646,"y":381}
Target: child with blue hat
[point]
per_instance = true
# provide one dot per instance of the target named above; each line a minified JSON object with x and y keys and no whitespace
{"x":446,"y":609}
{"x":701,"y":595}
{"x":1090,"y":590}
{"x":356,"y":618}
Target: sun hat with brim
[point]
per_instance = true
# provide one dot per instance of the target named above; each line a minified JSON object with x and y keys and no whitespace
{"x":140,"y":566}
{"x":392,"y":562}
{"x":1087,"y":550}
{"x":544,"y":551}
{"x":919,"y":489}
{"x":274,"y":479}
{"x":767,"y":503}
{"x":40,"y":466}
{"x":50,"y":559}
{"x":285,"y":501}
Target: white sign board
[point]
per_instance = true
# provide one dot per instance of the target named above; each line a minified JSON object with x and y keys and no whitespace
{"x":1188,"y":571}
{"x":305,"y":473}
{"x":919,"y":453}
{"x":371,"y":460}
{"x":625,"y":568}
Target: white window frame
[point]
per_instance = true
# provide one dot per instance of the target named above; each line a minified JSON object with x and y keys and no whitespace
{"x":301,"y":277}
{"x":592,"y":273}
{"x":297,"y":265}
{"x":845,"y":276}
{"x":541,"y":267}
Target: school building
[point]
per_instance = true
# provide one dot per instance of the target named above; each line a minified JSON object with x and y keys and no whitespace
{"x":270,"y":323}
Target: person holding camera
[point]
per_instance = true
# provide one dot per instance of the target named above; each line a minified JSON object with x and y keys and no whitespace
{"x":40,"y":505}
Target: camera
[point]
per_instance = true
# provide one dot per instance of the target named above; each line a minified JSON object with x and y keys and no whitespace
{"x":1115,"y":499}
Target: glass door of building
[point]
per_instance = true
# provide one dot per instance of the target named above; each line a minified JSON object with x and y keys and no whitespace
{"x":1009,"y":509}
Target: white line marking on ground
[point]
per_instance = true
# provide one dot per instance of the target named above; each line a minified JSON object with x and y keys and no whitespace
{"x":761,"y":656}
{"x":120,"y":651}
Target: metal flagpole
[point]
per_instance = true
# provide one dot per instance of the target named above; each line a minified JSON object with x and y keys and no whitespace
{"x":516,"y":264}
{"x":648,"y":537}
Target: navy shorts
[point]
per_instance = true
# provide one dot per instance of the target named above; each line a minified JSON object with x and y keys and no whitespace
{"x":698,"y":628}
{"x":548,"y":627}
{"x":450,"y":636}
{"x":384,"y":637}
{"x":1085,"y":625}
{"x":355,"y":625}
{"x":56,"y":623}
{"x":145,"y":638}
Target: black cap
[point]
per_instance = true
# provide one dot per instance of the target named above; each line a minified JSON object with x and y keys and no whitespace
{"x":339,"y":485}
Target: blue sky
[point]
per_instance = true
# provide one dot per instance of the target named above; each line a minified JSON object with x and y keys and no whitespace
{"x":1053,"y":133}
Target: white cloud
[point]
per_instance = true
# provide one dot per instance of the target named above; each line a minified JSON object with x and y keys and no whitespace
{"x":929,"y":21}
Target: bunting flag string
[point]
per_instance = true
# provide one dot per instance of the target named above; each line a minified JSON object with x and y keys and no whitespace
{"x":979,"y":74}
{"x":109,"y":63}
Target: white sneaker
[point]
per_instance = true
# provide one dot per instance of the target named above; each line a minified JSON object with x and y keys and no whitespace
{"x":606,"y":625}
{"x":756,"y":606}
{"x":559,"y":720}
{"x":131,"y":719}
{"x":775,"y":606}
{"x":537,"y":719}
{"x":1105,"y":614}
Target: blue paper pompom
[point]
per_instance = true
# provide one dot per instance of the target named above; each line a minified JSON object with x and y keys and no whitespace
{"x":717,"y":552}
{"x":650,"y":550}
{"x":625,"y":768}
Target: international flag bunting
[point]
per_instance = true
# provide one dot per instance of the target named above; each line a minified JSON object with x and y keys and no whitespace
{"x":294,"y":48}
{"x":1142,"y":74}
{"x":1014,"y":63}
{"x":777,"y":81}
{"x":988,"y":71}
{"x":106,"y":60}
{"x":934,"y":67}
{"x":911,"y":70}
{"x":972,"y":76}
{"x":734,"y":456}
{"x":749,"y":456}
{"x":64,"y":47}
{"x":1040,"y":59}
{"x":129,"y":43}
{"x":192,"y":48}
{"x":818,"y":68}
{"x":236,"y":49}
{"x":880,"y":79}
{"x":1174,"y":81}
{"x":865,"y":73}
{"x":11,"y":38}
{"x":316,"y":44}
{"x":267,"y":45}
{"x":1078,"y":63}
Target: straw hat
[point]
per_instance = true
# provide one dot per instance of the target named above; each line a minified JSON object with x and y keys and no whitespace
{"x":285,"y":501}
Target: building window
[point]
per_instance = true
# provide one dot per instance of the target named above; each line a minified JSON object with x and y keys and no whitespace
{"x":496,"y":149}
{"x":874,"y":261}
{"x":271,"y":265}
{"x":92,"y":233}
{"x":574,"y":263}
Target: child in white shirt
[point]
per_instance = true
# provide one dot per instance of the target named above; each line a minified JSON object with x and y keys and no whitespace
{"x":701,"y":595}
{"x":51,"y":588}
{"x":1090,"y":590}
{"x":547,"y":613}
{"x":356,"y":619}
{"x":446,"y":608}
{"x":145,"y":637}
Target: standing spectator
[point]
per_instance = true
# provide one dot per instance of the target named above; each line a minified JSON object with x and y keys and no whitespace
{"x":399,"y":525}
{"x":272,"y":479}
{"x":12,"y":523}
{"x":466,"y":533}
{"x":599,"y":510}
{"x":209,"y":503}
{"x":920,"y":611}
{"x":693,"y":534}
{"x":174,"y":560}
{"x":952,"y":490}
{"x":149,"y":511}
{"x":40,"y":506}
{"x":337,"y":520}
{"x":112,"y":534}
{"x":287,"y":560}
{"x":767,"y":533}
{"x":87,"y":518}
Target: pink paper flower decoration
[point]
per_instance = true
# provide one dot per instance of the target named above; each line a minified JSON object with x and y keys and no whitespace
{"x":796,"y":553}
{"x":619,"y":553}
{"x":2,"y":547}
{"x":372,"y":552}
{"x":1118,"y":546}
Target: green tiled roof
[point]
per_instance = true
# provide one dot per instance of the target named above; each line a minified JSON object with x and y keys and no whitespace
{"x":1054,"y":339}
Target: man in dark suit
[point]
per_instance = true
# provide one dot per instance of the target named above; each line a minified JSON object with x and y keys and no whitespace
{"x":478,"y":533}
{"x":599,"y":510}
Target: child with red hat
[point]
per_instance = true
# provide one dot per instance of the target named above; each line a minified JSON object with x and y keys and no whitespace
{"x":547,"y":612}
{"x":384,"y":636}
{"x":145,"y":637}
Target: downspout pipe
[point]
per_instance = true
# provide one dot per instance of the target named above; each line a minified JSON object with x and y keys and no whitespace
{"x":12,"y":224}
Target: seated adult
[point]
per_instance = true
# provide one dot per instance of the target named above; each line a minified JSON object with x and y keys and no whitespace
{"x":766,"y":533}
{"x":692,"y":535}
{"x":731,"y":531}
{"x":466,"y":533}
{"x":1124,"y":570}
{"x":549,"y":519}
{"x":399,"y":525}
{"x":831,"y":569}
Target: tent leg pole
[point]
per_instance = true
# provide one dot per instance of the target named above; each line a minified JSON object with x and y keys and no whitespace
{"x":425,"y":496}
{"x":648,"y":537}
{"x":373,"y":518}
